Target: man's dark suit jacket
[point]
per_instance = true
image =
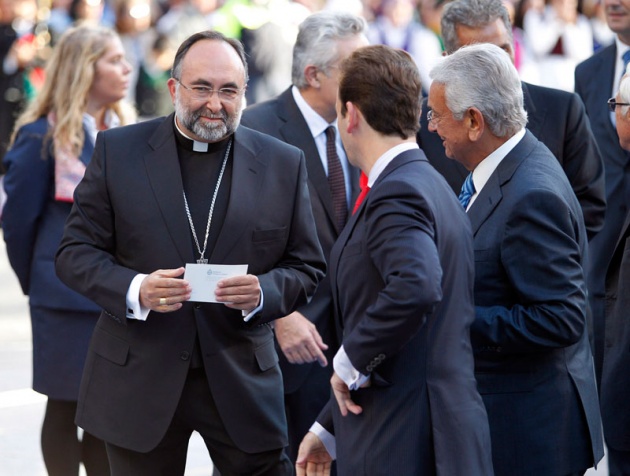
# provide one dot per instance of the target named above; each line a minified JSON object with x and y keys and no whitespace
{"x":281,"y":118}
{"x":129,"y":217}
{"x":401,"y":276}
{"x":615,"y":392}
{"x":593,"y":82}
{"x":557,"y":119}
{"x":533,"y":361}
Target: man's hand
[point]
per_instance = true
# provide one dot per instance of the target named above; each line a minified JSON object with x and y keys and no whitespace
{"x":312,"y":458}
{"x":342,"y":395}
{"x":163,"y":291}
{"x":239,"y":292}
{"x":299,"y":340}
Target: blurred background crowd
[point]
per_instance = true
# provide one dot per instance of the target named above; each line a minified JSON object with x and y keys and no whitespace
{"x":551,"y":37}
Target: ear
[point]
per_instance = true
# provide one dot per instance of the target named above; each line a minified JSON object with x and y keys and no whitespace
{"x":354,"y":116}
{"x":310,"y":74}
{"x":475,"y":122}
{"x":172,"y":84}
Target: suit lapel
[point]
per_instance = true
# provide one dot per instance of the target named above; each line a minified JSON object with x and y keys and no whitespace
{"x":248,"y":174}
{"x":492,"y":193}
{"x":162,"y":165}
{"x":604,"y":70}
{"x":295,"y":131}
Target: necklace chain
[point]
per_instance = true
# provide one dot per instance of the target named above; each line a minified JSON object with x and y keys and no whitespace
{"x":201,"y":259}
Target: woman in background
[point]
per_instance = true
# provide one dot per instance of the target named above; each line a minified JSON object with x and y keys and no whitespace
{"x":86,"y":78}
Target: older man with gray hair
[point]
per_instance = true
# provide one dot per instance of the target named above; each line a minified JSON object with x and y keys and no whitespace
{"x":304,"y":116}
{"x":533,"y":361}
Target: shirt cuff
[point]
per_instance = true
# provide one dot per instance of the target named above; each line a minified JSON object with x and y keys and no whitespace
{"x":343,"y":367}
{"x":247,"y":316}
{"x":327,"y":439}
{"x":135,"y":310}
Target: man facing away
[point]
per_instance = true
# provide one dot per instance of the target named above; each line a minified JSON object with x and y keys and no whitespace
{"x":304,"y":116}
{"x":405,"y":398}
{"x":193,"y":187}
{"x":533,"y":362}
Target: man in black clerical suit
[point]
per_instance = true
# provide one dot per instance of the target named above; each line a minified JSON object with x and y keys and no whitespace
{"x":189,"y":188}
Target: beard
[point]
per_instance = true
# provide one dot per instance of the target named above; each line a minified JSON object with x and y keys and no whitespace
{"x":210,"y":132}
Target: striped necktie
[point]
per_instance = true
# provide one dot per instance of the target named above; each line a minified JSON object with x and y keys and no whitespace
{"x":468,"y":190}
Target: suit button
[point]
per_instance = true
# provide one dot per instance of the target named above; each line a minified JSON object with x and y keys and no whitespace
{"x":184,"y":355}
{"x":197,"y":306}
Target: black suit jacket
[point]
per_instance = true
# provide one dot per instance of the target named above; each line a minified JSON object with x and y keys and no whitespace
{"x":557,"y":118}
{"x":533,"y":361}
{"x":129,"y":217}
{"x":281,"y":118}
{"x":401,"y":275}
{"x":615,"y":392}
{"x":593,"y":82}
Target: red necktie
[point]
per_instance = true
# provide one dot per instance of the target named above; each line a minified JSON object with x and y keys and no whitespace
{"x":363,"y":182}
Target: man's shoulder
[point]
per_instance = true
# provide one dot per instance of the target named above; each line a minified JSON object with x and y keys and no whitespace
{"x":137,"y":130}
{"x":263,"y":142}
{"x":591,"y":64}
{"x":544,"y":96}
{"x":264,"y":112}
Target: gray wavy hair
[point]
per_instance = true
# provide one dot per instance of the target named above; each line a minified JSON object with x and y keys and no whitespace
{"x":317,"y":38}
{"x":483,"y":76}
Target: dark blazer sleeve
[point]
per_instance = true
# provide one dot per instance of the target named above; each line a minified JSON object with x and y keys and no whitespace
{"x":397,"y":225}
{"x":85,"y":259}
{"x":27,"y":185}
{"x":539,"y":256}
{"x":293,"y":279}
{"x":583,"y":165}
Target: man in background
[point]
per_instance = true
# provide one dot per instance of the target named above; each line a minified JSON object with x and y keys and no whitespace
{"x":304,"y":116}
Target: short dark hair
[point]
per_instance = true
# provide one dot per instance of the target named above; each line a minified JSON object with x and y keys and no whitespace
{"x":384,"y":83}
{"x":176,"y":71}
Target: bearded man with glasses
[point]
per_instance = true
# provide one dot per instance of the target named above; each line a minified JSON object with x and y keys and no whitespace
{"x":170,"y":356}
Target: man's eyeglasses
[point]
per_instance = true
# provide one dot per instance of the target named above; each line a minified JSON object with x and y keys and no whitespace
{"x":203,"y":93}
{"x":612,"y":104}
{"x":433,"y":118}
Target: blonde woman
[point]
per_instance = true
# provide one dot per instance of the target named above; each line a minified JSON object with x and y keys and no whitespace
{"x":86,"y":78}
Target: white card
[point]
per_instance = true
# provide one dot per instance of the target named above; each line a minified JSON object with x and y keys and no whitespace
{"x":204,"y":278}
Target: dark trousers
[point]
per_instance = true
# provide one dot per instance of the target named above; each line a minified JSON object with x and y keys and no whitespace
{"x":197,"y":411}
{"x":62,"y":449}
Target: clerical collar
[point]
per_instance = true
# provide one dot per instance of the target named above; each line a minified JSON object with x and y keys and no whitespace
{"x":196,"y":146}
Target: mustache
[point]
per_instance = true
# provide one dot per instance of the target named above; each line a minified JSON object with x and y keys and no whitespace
{"x":222,"y":114}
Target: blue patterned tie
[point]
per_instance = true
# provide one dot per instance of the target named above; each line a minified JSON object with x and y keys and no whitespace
{"x":626,"y":59}
{"x":468,"y":190}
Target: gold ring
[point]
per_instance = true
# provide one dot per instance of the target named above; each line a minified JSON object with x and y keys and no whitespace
{"x":162,"y":301}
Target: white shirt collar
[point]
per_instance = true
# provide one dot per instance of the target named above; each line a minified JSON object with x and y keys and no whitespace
{"x":487,"y":166}
{"x":197,"y":145}
{"x":89,"y":122}
{"x":384,"y":160}
{"x":621,"y":49}
{"x":316,"y":123}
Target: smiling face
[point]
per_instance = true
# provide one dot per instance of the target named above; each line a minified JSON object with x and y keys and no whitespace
{"x":111,"y":75}
{"x":211,"y":64}
{"x":453,"y":132}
